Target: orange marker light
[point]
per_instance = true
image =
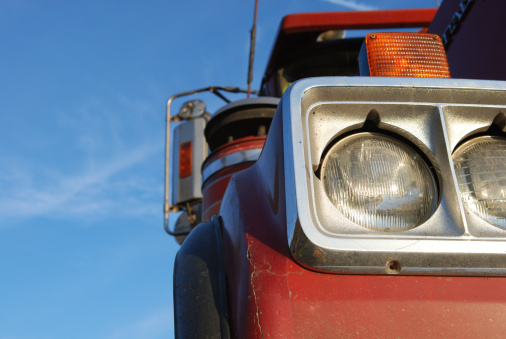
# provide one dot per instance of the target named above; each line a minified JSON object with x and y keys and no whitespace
{"x":185,"y":159}
{"x":404,"y":55}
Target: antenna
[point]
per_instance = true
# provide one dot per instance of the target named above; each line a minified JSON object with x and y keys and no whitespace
{"x":252,"y":48}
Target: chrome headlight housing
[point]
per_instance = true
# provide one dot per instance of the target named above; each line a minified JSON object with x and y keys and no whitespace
{"x":372,"y":177}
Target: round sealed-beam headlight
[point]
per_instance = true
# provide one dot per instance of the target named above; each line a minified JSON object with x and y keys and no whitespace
{"x":480,"y":166}
{"x":379,"y":182}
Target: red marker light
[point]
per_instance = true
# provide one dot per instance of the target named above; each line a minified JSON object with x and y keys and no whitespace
{"x":185,"y":159}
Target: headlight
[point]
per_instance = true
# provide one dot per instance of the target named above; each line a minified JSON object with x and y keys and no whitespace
{"x":480,"y":166}
{"x":379,"y":182}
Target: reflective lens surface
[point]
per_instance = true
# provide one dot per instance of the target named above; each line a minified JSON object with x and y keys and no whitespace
{"x":379,"y":183}
{"x":480,"y":166}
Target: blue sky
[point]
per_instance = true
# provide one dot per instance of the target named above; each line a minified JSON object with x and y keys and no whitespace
{"x":83,"y":87}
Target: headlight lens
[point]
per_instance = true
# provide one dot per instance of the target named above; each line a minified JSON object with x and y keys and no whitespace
{"x":480,"y":166}
{"x":379,"y":182}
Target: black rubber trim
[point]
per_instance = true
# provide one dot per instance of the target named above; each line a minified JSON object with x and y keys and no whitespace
{"x":200,"y":293}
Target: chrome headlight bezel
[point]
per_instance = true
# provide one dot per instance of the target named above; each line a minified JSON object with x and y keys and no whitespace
{"x":433,"y":114}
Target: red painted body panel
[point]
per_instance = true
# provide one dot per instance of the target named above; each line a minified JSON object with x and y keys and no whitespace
{"x":310,"y":22}
{"x":215,"y":186}
{"x":272,"y":296}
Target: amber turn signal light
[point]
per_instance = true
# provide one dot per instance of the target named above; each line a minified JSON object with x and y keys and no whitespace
{"x":403,"y":54}
{"x":185,"y":159}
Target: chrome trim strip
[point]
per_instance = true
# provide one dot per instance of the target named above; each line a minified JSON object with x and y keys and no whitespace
{"x":452,"y":169}
{"x":230,"y":160}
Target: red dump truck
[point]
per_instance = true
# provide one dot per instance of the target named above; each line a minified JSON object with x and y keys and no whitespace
{"x":362,"y":193}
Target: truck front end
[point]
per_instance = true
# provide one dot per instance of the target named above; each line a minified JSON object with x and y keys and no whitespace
{"x":376,"y":208}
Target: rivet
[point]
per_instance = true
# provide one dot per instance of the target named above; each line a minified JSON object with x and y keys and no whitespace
{"x":393,"y":267}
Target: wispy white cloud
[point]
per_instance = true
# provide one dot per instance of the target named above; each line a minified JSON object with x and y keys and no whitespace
{"x":98,"y":160}
{"x":97,"y":190}
{"x":351,"y":4}
{"x":155,"y":325}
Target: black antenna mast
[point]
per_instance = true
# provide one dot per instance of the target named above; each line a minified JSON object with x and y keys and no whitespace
{"x":252,"y":48}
